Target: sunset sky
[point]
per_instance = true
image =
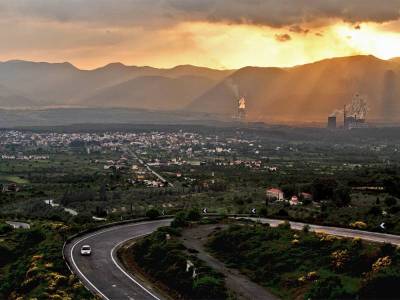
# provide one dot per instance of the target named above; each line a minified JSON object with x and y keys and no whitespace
{"x":214,"y":33}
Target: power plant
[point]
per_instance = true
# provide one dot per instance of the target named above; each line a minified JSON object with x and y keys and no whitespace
{"x":241,"y":113}
{"x":354,"y":114}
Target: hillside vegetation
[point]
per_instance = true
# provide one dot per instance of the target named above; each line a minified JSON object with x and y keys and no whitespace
{"x":304,"y":265}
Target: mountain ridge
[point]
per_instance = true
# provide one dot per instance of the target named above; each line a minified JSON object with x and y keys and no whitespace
{"x":306,"y":92}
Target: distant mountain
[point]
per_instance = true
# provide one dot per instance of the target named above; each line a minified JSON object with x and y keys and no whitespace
{"x":10,"y":98}
{"x":395,"y":59}
{"x":52,"y":84}
{"x":308,"y":93}
{"x":152,"y":92}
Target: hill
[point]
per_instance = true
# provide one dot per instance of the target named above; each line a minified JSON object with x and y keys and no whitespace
{"x":309,"y":93}
{"x":301,"y":94}
{"x":152,"y":92}
{"x":52,"y":84}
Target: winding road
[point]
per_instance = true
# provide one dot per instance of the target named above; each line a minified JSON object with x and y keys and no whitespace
{"x":104,"y":275}
{"x":101,"y":272}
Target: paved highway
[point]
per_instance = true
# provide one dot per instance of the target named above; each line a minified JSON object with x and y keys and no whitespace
{"x":342,"y":232}
{"x":103,"y":275}
{"x":17,"y":225}
{"x":101,"y":272}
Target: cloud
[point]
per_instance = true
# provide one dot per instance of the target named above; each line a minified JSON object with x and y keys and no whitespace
{"x":284,"y":37}
{"x":274,"y":13}
{"x":298,"y":29}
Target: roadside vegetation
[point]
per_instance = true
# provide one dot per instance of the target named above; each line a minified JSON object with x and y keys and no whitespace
{"x":305,"y":265}
{"x":165,"y":260}
{"x":31,"y":263}
{"x":95,"y":172}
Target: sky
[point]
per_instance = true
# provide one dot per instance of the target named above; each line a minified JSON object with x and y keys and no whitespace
{"x":223,"y":34}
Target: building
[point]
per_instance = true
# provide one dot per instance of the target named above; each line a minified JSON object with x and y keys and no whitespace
{"x":332,"y":122}
{"x":274,"y":194}
{"x":294,"y":200}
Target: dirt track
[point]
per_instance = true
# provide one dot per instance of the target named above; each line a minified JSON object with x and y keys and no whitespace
{"x":195,"y":238}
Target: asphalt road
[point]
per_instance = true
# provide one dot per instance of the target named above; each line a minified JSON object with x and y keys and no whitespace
{"x":342,"y":232}
{"x":103,"y":275}
{"x":17,"y":225}
{"x":101,"y":272}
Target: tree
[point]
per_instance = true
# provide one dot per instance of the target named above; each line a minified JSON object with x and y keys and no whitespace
{"x":342,"y":196}
{"x":180,"y":220}
{"x":390,"y":201}
{"x":323,"y":188}
{"x":103,"y":193}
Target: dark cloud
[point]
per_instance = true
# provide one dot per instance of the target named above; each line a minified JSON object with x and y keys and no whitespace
{"x":284,"y":37}
{"x":275,"y":13}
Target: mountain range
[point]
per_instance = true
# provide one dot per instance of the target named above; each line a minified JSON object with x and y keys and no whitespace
{"x":306,"y":93}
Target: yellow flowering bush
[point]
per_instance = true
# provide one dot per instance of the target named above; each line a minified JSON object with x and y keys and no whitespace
{"x":359,"y":225}
{"x":339,"y":259}
{"x":381,"y":263}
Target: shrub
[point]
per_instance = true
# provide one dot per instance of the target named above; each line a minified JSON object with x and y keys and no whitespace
{"x":330,"y":288}
{"x":5,"y":228}
{"x":381,"y":285}
{"x":306,"y":228}
{"x":359,"y":225}
{"x":208,"y":287}
{"x":193,"y":215}
{"x":390,"y":201}
{"x":180,"y":220}
{"x":152,"y":214}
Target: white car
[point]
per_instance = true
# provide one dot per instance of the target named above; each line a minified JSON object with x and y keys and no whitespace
{"x":86,"y":250}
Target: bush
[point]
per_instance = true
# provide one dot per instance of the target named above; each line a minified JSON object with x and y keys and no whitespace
{"x":208,"y":287}
{"x":152,"y":214}
{"x":382,"y":285}
{"x":193,"y":215}
{"x":180,"y":220}
{"x":330,"y":288}
{"x":263,"y":212}
{"x":5,"y":228}
{"x":390,"y":201}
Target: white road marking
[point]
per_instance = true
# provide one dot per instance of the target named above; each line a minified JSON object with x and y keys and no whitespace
{"x":79,"y":271}
{"x":95,"y":234}
{"x":123,"y":271}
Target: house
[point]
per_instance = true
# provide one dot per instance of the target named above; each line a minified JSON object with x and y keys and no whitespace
{"x":294,"y":200}
{"x":275,"y":194}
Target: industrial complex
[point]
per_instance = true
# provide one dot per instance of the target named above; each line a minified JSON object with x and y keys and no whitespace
{"x":354,"y":114}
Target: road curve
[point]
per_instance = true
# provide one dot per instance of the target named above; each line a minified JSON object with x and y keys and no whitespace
{"x":101,"y":272}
